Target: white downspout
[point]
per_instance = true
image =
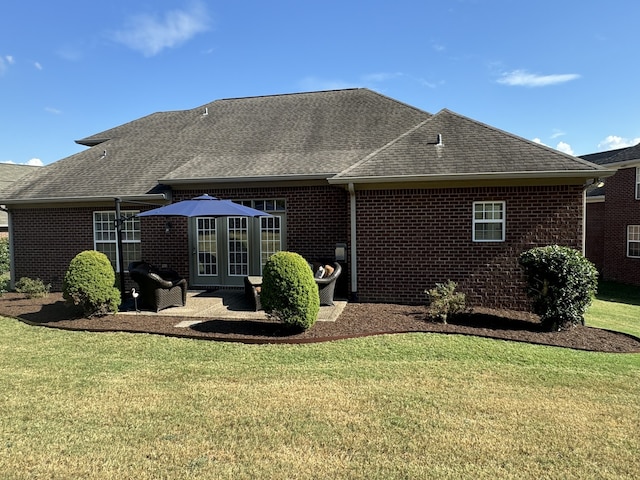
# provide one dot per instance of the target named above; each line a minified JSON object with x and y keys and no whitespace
{"x":12,"y":262}
{"x":354,"y":243}
{"x":584,"y":221}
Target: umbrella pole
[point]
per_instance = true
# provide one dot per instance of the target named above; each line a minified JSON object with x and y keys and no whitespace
{"x":119,"y":221}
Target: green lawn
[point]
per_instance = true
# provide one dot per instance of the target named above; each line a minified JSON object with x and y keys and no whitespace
{"x":617,"y":307}
{"x":88,"y":405}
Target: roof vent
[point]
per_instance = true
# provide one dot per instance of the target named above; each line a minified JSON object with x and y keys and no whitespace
{"x":104,"y":154}
{"x":206,"y":111}
{"x":439,"y":143}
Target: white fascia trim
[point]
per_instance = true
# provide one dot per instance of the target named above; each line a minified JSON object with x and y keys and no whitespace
{"x":475,"y":176}
{"x":625,"y":164}
{"x":262,"y":178}
{"x":132,"y":198}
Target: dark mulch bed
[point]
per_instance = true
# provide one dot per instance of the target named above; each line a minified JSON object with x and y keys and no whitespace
{"x":358,"y":319}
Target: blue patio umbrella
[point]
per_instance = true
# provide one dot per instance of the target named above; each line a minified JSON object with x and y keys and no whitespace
{"x":205,"y":206}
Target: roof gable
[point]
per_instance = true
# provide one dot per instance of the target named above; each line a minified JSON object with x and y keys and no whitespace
{"x":451,"y":144}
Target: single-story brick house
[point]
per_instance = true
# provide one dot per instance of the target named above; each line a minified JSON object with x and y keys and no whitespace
{"x":613,"y":216}
{"x":412,"y":198}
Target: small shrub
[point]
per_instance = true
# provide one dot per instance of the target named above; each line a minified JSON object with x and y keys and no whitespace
{"x":33,"y":288}
{"x":561,"y":282}
{"x":5,"y":282}
{"x":289,"y":291}
{"x":89,"y":283}
{"x":5,"y":258}
{"x":445,"y":301}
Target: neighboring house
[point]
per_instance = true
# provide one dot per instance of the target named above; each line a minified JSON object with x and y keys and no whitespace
{"x":9,"y":173}
{"x":416,"y":198}
{"x":613,"y":216}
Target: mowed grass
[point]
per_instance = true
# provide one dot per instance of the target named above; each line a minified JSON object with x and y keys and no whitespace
{"x":113,"y":406}
{"x":616,"y":307}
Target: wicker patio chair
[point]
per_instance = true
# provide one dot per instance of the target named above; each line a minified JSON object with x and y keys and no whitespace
{"x":159,"y":289}
{"x":327,"y":285}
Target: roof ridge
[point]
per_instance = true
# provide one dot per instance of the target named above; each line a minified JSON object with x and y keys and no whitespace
{"x":316,"y":92}
{"x":275,"y":95}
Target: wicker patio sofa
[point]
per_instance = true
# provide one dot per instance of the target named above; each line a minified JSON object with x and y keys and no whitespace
{"x":159,"y":289}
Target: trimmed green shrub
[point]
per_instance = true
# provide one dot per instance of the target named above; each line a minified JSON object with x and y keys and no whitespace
{"x":89,"y":283}
{"x":289,"y":291}
{"x":5,"y":258}
{"x":33,"y":288}
{"x":445,"y":301}
{"x":561,"y":283}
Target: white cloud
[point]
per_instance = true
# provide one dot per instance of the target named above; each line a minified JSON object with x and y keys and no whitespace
{"x":5,"y":61}
{"x":613,"y":142}
{"x":522,"y":78}
{"x":38,"y":65}
{"x":149,"y":34}
{"x":563,"y":147}
{"x":318,"y":84}
{"x":34,"y":162}
{"x":52,"y":110}
{"x":381,"y":77}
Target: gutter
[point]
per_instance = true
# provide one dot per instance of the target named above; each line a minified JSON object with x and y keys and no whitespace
{"x":600,"y":173}
{"x":158,"y":197}
{"x":245,"y":179}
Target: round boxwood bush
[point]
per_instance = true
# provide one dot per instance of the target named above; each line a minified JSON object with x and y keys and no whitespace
{"x":89,"y":282}
{"x":289,"y":291}
{"x":561,"y":282}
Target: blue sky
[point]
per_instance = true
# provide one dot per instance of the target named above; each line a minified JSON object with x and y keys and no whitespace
{"x":560,"y":72}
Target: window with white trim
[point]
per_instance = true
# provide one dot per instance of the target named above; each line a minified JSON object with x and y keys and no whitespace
{"x":633,"y":241}
{"x":105,"y":237}
{"x":489,"y":221}
{"x":637,"y":183}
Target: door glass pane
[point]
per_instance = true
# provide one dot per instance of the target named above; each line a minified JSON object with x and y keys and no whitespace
{"x":207,"y":247}
{"x":270,"y":238}
{"x":238,"y":235}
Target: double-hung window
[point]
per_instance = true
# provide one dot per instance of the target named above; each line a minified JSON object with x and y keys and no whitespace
{"x":633,"y":241}
{"x":489,"y":221}
{"x":105,"y":238}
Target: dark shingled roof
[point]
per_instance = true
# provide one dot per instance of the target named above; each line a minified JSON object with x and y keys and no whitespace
{"x":331,"y":134}
{"x":10,"y":173}
{"x":628,"y":154}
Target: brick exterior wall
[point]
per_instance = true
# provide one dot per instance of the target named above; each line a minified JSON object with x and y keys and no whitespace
{"x":47,"y":239}
{"x":594,"y":235}
{"x":407,"y":239}
{"x":621,"y":210}
{"x":411,"y":239}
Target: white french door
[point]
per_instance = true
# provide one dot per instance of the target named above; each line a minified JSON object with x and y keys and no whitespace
{"x":220,"y":252}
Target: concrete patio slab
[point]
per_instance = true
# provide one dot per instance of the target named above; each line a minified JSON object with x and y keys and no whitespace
{"x":228,"y":304}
